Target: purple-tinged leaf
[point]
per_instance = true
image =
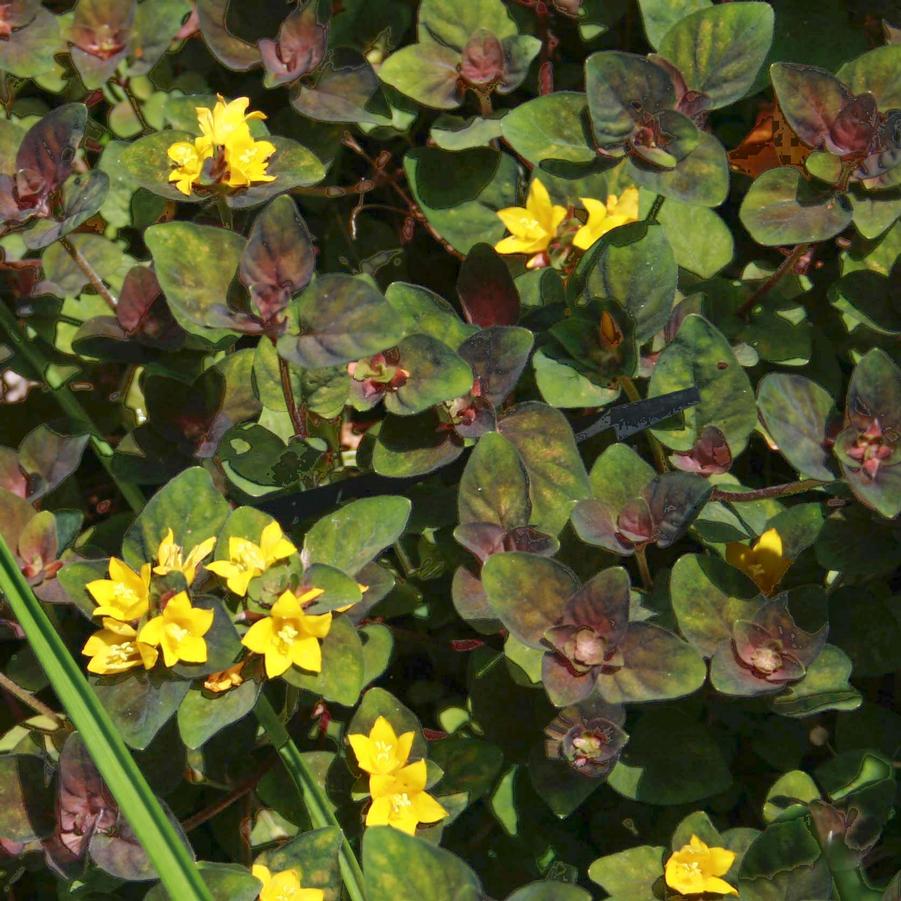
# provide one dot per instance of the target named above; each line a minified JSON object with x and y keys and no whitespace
{"x":709,"y":456}
{"x":48,"y":148}
{"x":494,"y":487}
{"x":486,"y":289}
{"x":298,"y":49}
{"x":12,"y":478}
{"x":49,"y":458}
{"x":233,"y":52}
{"x":498,"y":355}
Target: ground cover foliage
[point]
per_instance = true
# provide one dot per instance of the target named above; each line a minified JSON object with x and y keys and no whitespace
{"x":317,"y":583}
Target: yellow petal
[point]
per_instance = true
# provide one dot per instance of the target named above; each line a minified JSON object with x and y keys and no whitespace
{"x":152,"y":631}
{"x":428,"y":810}
{"x":259,"y":636}
{"x":192,"y":649}
{"x":260,"y":872}
{"x":276,"y":662}
{"x":379,"y":812}
{"x":538,"y":203}
{"x":362,"y":748}
{"x":720,"y":861}
{"x":317,"y":624}
{"x":720,"y":886}
{"x":306,"y":653}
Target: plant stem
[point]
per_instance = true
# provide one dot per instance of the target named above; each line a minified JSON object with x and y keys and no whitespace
{"x":485,"y":108}
{"x":786,"y":266}
{"x":785,"y":490}
{"x":27,"y":698}
{"x":656,"y":447}
{"x":70,"y":405}
{"x":298,"y":416}
{"x":311,"y":791}
{"x":655,"y":208}
{"x":548,"y":45}
{"x":641,"y":559}
{"x":136,"y":800}
{"x":363,"y":186}
{"x":225,"y":213}
{"x":89,"y":273}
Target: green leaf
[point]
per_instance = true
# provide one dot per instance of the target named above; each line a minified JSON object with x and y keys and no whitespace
{"x":561,"y":385}
{"x":426,"y":72}
{"x":460,"y":193}
{"x":649,"y":771}
{"x":870,"y":298}
{"x":315,"y":856}
{"x":226,"y":882}
{"x":414,"y":445}
{"x":201,"y":715}
{"x":824,"y":687}
{"x":195,"y":265}
{"x":494,"y":486}
{"x":659,"y":16}
{"x":557,"y":477}
{"x":82,"y":197}
{"x":797,"y":413}
{"x":563,"y":790}
{"x":683,"y":223}
{"x":876,"y":72}
{"x":436,"y":374}
{"x":782,"y":208}
{"x":397,"y":865}
{"x":784,"y":862}
{"x":789,"y":795}
{"x":469,"y":765}
{"x":527,"y":593}
{"x":455,"y":133}
{"x":719,"y":50}
{"x":708,"y":596}
{"x":427,"y":313}
{"x":657,"y":665}
{"x":446,"y":22}
{"x":147,"y":162}
{"x":549,"y":891}
{"x":27,"y":803}
{"x":700,"y":178}
{"x":618,"y":475}
{"x":865,"y":626}
{"x":631,"y":873}
{"x":636,"y":267}
{"x":553,"y":127}
{"x":701,"y":356}
{"x":357,"y":533}
{"x":341,"y":679}
{"x":189,"y":505}
{"x":140,"y":703}
{"x":28,"y":52}
{"x":233,"y":52}
{"x":339,"y":319}
{"x":614,"y":82}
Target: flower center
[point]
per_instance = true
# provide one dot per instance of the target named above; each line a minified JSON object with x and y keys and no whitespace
{"x":766,"y":660}
{"x":588,"y":648}
{"x":124,"y":595}
{"x":250,"y":557}
{"x":121,"y":653}
{"x":176,"y":632}
{"x":400,"y":802}
{"x":383,"y":751}
{"x":287,"y":633}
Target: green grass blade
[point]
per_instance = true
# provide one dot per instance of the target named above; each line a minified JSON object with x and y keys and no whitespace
{"x":112,"y":758}
{"x":312,"y":793}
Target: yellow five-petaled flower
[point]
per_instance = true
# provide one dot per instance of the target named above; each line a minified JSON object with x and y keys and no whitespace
{"x":289,"y":636}
{"x":284,"y":886}
{"x":532,"y":227}
{"x":604,"y":217}
{"x":125,"y":595}
{"x":765,"y":562}
{"x":399,"y":799}
{"x":115,"y":649}
{"x":382,"y":751}
{"x":170,"y":557}
{"x":224,"y":130}
{"x":696,"y":868}
{"x":178,"y":631}
{"x":247,"y":560}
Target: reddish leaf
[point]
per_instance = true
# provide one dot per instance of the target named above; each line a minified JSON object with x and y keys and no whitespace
{"x":486,"y":288}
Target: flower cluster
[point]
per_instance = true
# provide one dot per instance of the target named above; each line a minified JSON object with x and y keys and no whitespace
{"x":225,"y":153}
{"x":547,"y":231}
{"x":399,"y":798}
{"x":129,"y":637}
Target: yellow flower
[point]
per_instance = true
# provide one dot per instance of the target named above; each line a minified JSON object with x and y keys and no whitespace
{"x":695,"y":868}
{"x":125,"y":595}
{"x":289,"y":636}
{"x":400,"y":800}
{"x":247,"y":162}
{"x":224,"y":133}
{"x":170,"y":557}
{"x":284,"y":886}
{"x":115,"y":649}
{"x":765,"y":562}
{"x":382,"y":751}
{"x":179,"y":631}
{"x":532,"y":227}
{"x":602,"y":218}
{"x":226,"y":123}
{"x":189,"y":158}
{"x":247,"y":560}
{"x":225,"y":679}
